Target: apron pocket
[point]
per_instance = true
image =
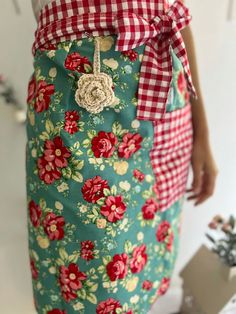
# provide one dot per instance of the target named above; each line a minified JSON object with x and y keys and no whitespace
{"x":171,"y":154}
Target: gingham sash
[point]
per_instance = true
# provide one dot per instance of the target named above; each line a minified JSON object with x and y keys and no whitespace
{"x":64,"y":20}
{"x":159,"y":35}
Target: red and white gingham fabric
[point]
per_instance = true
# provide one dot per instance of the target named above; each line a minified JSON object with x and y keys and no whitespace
{"x":138,"y":22}
{"x":171,"y":154}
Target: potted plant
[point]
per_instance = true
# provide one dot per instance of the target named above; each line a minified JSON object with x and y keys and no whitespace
{"x":222,"y":236}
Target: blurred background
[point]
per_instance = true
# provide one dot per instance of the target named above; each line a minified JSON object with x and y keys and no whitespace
{"x":214,"y":27}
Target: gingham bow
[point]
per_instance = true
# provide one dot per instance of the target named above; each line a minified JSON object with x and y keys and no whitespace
{"x":160,"y":35}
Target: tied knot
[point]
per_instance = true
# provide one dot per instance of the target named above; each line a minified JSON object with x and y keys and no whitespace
{"x":164,"y":26}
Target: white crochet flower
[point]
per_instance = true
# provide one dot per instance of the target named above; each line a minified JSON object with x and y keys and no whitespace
{"x":94,"y":92}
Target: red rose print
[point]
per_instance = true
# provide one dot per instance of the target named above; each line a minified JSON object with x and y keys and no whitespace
{"x":149,"y":209}
{"x":118,"y":267}
{"x":147,"y":285}
{"x":130,"y":144}
{"x":92,"y":189}
{"x":169,"y":245}
{"x":108,"y":307}
{"x":47,"y":171}
{"x":87,"y":250}
{"x":139,"y":259}
{"x":182,"y":86}
{"x":48,"y":46}
{"x":72,"y":115}
{"x":75,"y":62}
{"x":131,"y":54}
{"x":129,"y":312}
{"x":163,"y":231}
{"x":44,"y":92}
{"x":35,"y":213}
{"x":56,"y":152}
{"x":34,"y":270}
{"x":67,"y":293}
{"x":165,"y":283}
{"x":138,"y":175}
{"x":53,"y":226}
{"x":103,"y":145}
{"x":114,"y":208}
{"x":87,"y":245}
{"x":71,"y":127}
{"x":87,"y":255}
{"x":31,"y":90}
{"x":56,"y":311}
{"x":70,"y":280}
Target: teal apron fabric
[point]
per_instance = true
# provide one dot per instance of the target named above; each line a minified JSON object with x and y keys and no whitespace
{"x":97,"y":241}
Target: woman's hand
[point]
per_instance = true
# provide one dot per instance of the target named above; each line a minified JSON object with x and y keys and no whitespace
{"x":204,"y":169}
{"x":203,"y":164}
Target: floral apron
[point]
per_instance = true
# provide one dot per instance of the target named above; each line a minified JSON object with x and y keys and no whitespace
{"x":97,"y":241}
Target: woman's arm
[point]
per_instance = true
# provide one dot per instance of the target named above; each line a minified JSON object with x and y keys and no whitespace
{"x":203,"y":164}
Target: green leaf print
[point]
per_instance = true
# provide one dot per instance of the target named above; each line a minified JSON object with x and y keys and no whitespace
{"x":49,"y":126}
{"x":116,"y":128}
{"x":128,"y":247}
{"x":63,"y":254}
{"x":86,"y":143}
{"x":44,"y":136}
{"x":91,"y":133}
{"x":81,"y":293}
{"x":73,"y":257}
{"x":106,"y":192}
{"x":92,"y":298}
{"x":66,"y":172}
{"x":77,"y":176}
{"x":113,"y":190}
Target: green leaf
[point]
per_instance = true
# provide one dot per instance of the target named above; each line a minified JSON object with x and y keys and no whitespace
{"x":113,"y":190}
{"x":90,"y":153}
{"x":78,"y":164}
{"x":232,"y":222}
{"x":95,"y":212}
{"x":101,"y":201}
{"x":77,"y":176}
{"x":86,"y":143}
{"x":66,"y":172}
{"x":91,"y":133}
{"x":76,"y":145}
{"x":106,"y":259}
{"x":210,"y":238}
{"x":60,"y":262}
{"x":44,"y":136}
{"x":146,"y":194}
{"x":106,"y":192}
{"x":128,"y":246}
{"x":73,"y":258}
{"x":79,"y":152}
{"x":42,"y":203}
{"x":81,"y":293}
{"x":101,"y":269}
{"x":94,"y":287}
{"x":63,"y":254}
{"x":49,"y":126}
{"x":116,"y":128}
{"x":87,"y":68}
{"x":92,"y":298}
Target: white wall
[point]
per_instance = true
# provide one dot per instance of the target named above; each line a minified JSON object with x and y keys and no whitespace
{"x":216,"y":51}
